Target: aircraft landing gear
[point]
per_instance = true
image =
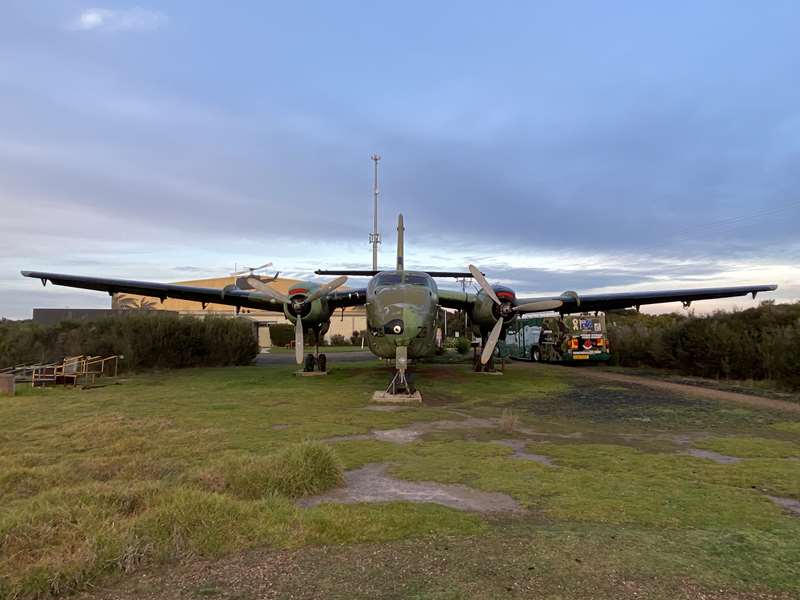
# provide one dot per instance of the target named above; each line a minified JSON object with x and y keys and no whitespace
{"x":316,"y":362}
{"x":401,"y":387}
{"x":477,"y":365}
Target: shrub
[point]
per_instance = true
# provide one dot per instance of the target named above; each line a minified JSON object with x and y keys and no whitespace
{"x":463,"y":345}
{"x":337,"y":339}
{"x":756,"y":343}
{"x":147,"y":339}
{"x":357,"y":337}
{"x":282,"y":334}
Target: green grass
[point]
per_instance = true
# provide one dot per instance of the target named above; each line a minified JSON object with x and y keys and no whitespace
{"x":208,"y":462}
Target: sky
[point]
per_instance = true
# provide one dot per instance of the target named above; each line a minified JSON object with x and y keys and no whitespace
{"x":588,"y":146}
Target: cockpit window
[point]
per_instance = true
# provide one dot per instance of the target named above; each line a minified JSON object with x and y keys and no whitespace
{"x":388,"y":279}
{"x":395,"y":278}
{"x":416,"y":280}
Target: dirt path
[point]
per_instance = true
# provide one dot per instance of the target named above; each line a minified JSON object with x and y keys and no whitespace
{"x":679,"y":388}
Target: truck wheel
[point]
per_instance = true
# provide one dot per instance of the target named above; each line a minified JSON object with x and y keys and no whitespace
{"x":536,"y":354}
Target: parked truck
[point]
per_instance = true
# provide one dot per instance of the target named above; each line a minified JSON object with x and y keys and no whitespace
{"x":559,"y":339}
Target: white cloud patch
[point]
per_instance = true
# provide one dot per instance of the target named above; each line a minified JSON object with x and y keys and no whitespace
{"x":105,"y":19}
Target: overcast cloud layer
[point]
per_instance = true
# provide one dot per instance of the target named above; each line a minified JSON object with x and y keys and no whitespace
{"x":590,"y":146}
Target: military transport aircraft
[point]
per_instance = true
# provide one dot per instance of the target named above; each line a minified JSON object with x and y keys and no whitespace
{"x":402,"y":306}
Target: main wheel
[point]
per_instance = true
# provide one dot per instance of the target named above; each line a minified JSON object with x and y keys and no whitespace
{"x":322,"y":362}
{"x":536,"y":354}
{"x":309,"y":363}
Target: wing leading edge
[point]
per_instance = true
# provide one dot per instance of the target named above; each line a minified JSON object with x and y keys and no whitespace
{"x":240,"y":298}
{"x":591,"y":302}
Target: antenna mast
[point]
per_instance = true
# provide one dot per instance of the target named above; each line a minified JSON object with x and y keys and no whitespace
{"x":375,"y":237}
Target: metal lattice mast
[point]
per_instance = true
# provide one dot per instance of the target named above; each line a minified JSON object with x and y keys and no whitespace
{"x":375,"y":237}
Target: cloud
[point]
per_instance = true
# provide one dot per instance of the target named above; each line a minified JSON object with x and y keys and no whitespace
{"x":105,"y":19}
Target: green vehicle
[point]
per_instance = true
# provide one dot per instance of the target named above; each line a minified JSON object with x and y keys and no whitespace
{"x":559,"y":339}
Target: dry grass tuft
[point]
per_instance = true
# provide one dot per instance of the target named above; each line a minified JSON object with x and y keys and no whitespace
{"x":508,"y":421}
{"x":298,"y":470}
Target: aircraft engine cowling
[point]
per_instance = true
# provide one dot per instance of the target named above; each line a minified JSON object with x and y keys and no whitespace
{"x":485,"y":312}
{"x":312,"y":313}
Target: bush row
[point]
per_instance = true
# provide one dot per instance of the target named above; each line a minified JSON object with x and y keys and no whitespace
{"x":148,"y":340}
{"x":757,"y":343}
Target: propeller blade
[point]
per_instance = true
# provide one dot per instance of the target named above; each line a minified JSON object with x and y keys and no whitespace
{"x":326,"y":288}
{"x":491,"y":342}
{"x":538,"y":306}
{"x":251,"y":269}
{"x":476,"y":273}
{"x":298,"y":340}
{"x":262,"y":287}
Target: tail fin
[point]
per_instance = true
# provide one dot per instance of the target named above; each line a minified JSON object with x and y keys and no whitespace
{"x":400,"y":230}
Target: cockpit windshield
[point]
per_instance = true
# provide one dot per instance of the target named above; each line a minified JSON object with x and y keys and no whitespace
{"x":408,"y":278}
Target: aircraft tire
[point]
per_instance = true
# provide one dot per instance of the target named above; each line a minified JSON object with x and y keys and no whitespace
{"x":308,"y":366}
{"x":322,"y":363}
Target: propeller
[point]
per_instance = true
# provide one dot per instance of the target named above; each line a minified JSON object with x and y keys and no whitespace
{"x":491,"y":342}
{"x":506,"y":309}
{"x":256,"y":284}
{"x":298,"y":339}
{"x":251,"y":270}
{"x":476,"y":273}
{"x":538,"y":306}
{"x":250,"y":282}
{"x":326,"y":288}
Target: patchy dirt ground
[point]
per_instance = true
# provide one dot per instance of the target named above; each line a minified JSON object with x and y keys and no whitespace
{"x":692,"y":390}
{"x":603,"y":488}
{"x":506,"y":565}
{"x":370,"y":483}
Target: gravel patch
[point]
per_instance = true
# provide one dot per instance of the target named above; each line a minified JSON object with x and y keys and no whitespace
{"x":519,"y":452}
{"x":370,"y":483}
{"x":715,"y":456}
{"x":790,"y":504}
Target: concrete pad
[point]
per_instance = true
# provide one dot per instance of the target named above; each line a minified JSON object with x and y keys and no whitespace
{"x":310,"y":373}
{"x":384,"y":397}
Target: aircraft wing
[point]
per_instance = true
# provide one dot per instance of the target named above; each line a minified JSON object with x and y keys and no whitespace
{"x":457,"y":300}
{"x":240,"y":298}
{"x":345,"y":298}
{"x":573,"y":303}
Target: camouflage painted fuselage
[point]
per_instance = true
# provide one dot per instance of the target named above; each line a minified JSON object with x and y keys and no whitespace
{"x":401,"y":311}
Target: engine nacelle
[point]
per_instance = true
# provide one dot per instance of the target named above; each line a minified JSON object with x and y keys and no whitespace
{"x":485,"y":312}
{"x":312,"y":313}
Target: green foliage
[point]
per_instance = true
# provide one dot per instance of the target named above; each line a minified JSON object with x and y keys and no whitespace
{"x":338,"y":339}
{"x":757,"y":343}
{"x":462,"y":345}
{"x":357,"y":337}
{"x":281,"y":334}
{"x":147,"y":340}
